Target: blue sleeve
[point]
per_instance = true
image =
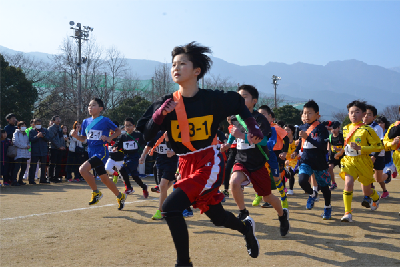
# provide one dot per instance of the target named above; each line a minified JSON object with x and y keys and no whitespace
{"x":110,"y":125}
{"x":83,"y":127}
{"x":231,"y":138}
{"x":272,"y":140}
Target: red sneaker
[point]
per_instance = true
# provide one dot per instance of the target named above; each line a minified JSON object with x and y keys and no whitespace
{"x":129,"y":191}
{"x":385,"y":194}
{"x":394,"y":174}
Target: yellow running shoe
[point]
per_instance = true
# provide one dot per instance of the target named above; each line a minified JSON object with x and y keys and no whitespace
{"x":115,"y":179}
{"x":256,"y":201}
{"x":157,"y":215}
{"x":121,"y":201}
{"x":284,"y":204}
{"x":95,"y":198}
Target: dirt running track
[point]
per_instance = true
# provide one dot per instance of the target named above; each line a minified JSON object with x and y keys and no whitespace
{"x":52,"y":225}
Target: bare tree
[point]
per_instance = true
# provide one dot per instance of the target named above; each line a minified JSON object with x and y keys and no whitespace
{"x":162,"y":82}
{"x":220,"y":83}
{"x":340,"y":116}
{"x":391,"y":112}
{"x":264,"y":99}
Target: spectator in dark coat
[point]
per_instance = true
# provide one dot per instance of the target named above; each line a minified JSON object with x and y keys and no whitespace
{"x":57,"y":147}
{"x":5,"y":143}
{"x":10,"y":129}
{"x":38,"y":138}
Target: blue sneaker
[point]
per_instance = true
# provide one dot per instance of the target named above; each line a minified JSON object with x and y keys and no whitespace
{"x":327,"y":214}
{"x":187,"y":213}
{"x":310,"y":202}
{"x":366,"y":202}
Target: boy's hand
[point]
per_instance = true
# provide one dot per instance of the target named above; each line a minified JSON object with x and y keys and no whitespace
{"x":297,"y":142}
{"x":396,"y":141}
{"x":287,"y":162}
{"x":141,"y":160}
{"x":237,"y":133}
{"x":224,"y":147}
{"x":75,"y":132}
{"x":253,"y":139}
{"x":355,"y":146}
{"x":170,"y":153}
{"x":114,"y":149}
{"x":40,"y":134}
{"x":106,"y":139}
{"x":294,"y":155}
{"x":303,"y":134}
{"x":170,"y":106}
{"x":283,"y":155}
{"x":339,"y":154}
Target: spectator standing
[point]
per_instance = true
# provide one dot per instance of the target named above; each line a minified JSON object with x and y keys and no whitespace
{"x":64,"y":153}
{"x":21,"y":142}
{"x":75,"y":155}
{"x":28,"y":163}
{"x":57,"y":146}
{"x":10,"y":129}
{"x":38,"y":137}
{"x":5,"y":143}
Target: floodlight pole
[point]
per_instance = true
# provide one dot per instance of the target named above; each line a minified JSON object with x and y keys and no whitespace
{"x":78,"y":113}
{"x":275,"y":84}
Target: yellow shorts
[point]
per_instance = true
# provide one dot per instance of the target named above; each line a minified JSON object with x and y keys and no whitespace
{"x":396,"y":159}
{"x":360,"y":167}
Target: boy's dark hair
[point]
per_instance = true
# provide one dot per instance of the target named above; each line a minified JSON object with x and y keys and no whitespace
{"x":266,"y":108}
{"x":116,"y":123}
{"x":357,"y":103}
{"x":312,"y":104}
{"x":131,"y":120}
{"x":382,"y":119}
{"x":281,"y":124}
{"x":9,"y":116}
{"x":272,"y":114}
{"x":99,"y":102}
{"x":196,"y":54}
{"x":250,"y":89}
{"x":372,"y":108}
{"x":37,"y":120}
{"x":54,"y":117}
{"x":335,"y":124}
{"x":291,"y":127}
{"x":20,"y":123}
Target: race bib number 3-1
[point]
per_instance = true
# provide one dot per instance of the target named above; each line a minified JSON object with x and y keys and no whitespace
{"x":199,"y":128}
{"x":94,"y":135}
{"x":130,"y":145}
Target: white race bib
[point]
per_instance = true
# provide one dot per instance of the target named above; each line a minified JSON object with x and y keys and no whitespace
{"x":241,"y":145}
{"x":162,"y":149}
{"x":94,"y":135}
{"x":351,"y":152}
{"x":308,"y":145}
{"x":130,"y":145}
{"x":110,"y":148}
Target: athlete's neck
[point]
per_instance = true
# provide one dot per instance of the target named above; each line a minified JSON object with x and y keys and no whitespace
{"x":189,"y":89}
{"x":129,"y":132}
{"x":94,"y":116}
{"x":290,"y":139}
{"x":335,"y":135}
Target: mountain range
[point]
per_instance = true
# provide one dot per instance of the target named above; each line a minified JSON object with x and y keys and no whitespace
{"x":332,"y":86}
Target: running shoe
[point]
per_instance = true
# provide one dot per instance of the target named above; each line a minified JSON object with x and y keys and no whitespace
{"x":385,"y":194}
{"x":226,"y":193}
{"x":375,"y":204}
{"x":157,"y":215}
{"x":266,"y":205}
{"x":310,"y":202}
{"x":95,"y":198}
{"x":366,"y":202}
{"x":253,"y":247}
{"x":347,"y":217}
{"x":327,"y":215}
{"x":290,"y":192}
{"x":121,"y":201}
{"x":98,"y":178}
{"x":187,"y":213}
{"x":243,"y":215}
{"x":394,"y":175}
{"x":257,"y":201}
{"x":333,"y":186}
{"x":155,"y":189}
{"x":76,"y":180}
{"x":115,"y":179}
{"x":190,"y":264}
{"x":389,"y":178}
{"x":284,"y":204}
{"x":284,"y":221}
{"x":145,"y":192}
{"x":129,"y":191}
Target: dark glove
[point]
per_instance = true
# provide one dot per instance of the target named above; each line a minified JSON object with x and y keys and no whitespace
{"x":158,"y":116}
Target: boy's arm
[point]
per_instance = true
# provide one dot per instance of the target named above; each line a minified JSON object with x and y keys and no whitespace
{"x":375,"y":143}
{"x":231,"y":139}
{"x":320,"y":142}
{"x":144,"y":154}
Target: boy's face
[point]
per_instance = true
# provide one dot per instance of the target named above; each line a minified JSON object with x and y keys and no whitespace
{"x":266,"y":115}
{"x":248,"y":99}
{"x":356,"y":114}
{"x":289,"y":131}
{"x":382,"y":124}
{"x":335,"y":131}
{"x":309,"y":115}
{"x":94,"y":108}
{"x":12,"y":120}
{"x":182,"y":69}
{"x":369,"y":117}
{"x":129,"y":127}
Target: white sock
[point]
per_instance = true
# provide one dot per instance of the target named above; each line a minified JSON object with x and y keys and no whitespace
{"x":315,"y":188}
{"x":328,"y":207}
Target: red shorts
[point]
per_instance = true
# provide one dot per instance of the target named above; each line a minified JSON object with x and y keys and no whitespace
{"x":260,"y":179}
{"x":202,"y":173}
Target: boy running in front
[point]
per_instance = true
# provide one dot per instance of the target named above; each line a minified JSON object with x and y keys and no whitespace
{"x":360,"y":141}
{"x":96,"y":130}
{"x":191,"y":116}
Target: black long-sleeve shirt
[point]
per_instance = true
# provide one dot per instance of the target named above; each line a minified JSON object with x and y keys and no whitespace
{"x":205,"y":111}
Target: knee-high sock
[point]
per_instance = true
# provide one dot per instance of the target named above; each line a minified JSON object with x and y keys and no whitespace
{"x":347,"y":198}
{"x":281,"y":189}
{"x":327,"y":195}
{"x":374,"y":195}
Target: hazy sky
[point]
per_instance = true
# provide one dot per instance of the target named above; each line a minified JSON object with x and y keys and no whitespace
{"x":240,"y":32}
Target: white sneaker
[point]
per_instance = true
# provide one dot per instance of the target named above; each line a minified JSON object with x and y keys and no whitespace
{"x":375,"y":205}
{"x":290,"y":192}
{"x":347,"y":217}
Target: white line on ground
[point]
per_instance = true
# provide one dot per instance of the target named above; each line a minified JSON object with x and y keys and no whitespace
{"x":63,"y":211}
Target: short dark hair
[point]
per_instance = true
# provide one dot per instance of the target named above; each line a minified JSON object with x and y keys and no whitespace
{"x":9,"y":116}
{"x":272,"y":114}
{"x":335,"y":124}
{"x":196,"y":54}
{"x":372,"y":108}
{"x":37,"y":120}
{"x":266,"y":108}
{"x":359,"y":104}
{"x":281,"y":124}
{"x":54,"y":117}
{"x":131,"y":120}
{"x":99,"y":102}
{"x":250,"y":89}
{"x":382,"y":119}
{"x":312,"y":104}
{"x":20,"y":123}
{"x":291,"y":127}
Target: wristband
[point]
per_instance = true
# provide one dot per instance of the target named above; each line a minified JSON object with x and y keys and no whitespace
{"x":158,"y":116}
{"x":253,"y":128}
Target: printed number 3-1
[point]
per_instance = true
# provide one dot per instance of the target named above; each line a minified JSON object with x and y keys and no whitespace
{"x":193,"y":129}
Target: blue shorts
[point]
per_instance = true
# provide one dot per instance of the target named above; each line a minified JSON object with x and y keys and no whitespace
{"x":273,"y":165}
{"x":323,"y":177}
{"x":131,"y":163}
{"x":99,"y":151}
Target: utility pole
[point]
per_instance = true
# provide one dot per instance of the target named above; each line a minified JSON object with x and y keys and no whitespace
{"x":80,"y":35}
{"x":275,"y":80}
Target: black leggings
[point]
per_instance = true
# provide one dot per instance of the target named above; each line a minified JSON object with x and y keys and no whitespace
{"x":290,"y":175}
{"x":305,"y":184}
{"x":137,"y":179}
{"x":20,"y":163}
{"x":173,"y":207}
{"x":229,"y":165}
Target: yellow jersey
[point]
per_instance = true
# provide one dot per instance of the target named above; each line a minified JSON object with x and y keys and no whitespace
{"x":388,"y":145}
{"x":365,"y":137}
